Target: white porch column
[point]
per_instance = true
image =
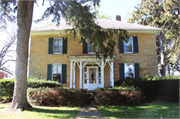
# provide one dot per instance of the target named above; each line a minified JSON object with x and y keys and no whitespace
{"x":71,"y":69}
{"x":80,"y":68}
{"x":74,"y":74}
{"x":102,"y":73}
{"x":112,"y":74}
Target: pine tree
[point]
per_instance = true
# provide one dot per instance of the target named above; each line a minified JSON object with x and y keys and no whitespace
{"x":76,"y":13}
{"x":162,"y":14}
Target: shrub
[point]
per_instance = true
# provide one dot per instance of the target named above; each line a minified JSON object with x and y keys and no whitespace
{"x":36,"y":83}
{"x":7,"y":85}
{"x":110,"y":96}
{"x":58,"y":96}
{"x":165,"y":88}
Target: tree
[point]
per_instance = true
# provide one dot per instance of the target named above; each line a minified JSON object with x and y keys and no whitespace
{"x":163,"y":15}
{"x":6,"y":52}
{"x":77,"y":13}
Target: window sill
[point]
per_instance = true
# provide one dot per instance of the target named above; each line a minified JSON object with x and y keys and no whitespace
{"x":91,"y":53}
{"x":57,"y":53}
{"x":128,"y":54}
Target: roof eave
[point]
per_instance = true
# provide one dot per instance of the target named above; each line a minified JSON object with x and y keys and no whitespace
{"x":130,"y":31}
{"x":144,"y":31}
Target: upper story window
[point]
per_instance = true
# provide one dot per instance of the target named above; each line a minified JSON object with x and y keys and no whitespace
{"x":128,"y":46}
{"x":131,"y":46}
{"x":58,"y":45}
{"x":90,"y":48}
{"x":57,"y":71}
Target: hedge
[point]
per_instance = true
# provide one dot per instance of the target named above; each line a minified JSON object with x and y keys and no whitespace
{"x":110,"y":96}
{"x":165,"y":88}
{"x":58,"y":96}
{"x":7,"y":85}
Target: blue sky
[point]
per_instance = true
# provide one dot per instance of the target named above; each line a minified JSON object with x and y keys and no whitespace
{"x":107,"y":7}
{"x":118,"y":7}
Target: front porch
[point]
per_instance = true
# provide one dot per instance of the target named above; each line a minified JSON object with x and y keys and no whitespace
{"x":91,"y":72}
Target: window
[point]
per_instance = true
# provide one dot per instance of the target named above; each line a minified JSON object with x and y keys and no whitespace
{"x":128,"y":46}
{"x":129,"y":70}
{"x":90,"y":49}
{"x":58,"y":45}
{"x":131,"y":46}
{"x":57,"y":71}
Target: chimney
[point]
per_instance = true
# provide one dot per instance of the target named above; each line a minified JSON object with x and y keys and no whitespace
{"x":118,"y":18}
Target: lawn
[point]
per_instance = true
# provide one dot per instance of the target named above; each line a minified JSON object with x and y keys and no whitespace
{"x":41,"y":112}
{"x":154,"y":110}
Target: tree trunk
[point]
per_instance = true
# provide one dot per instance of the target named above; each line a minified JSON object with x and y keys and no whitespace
{"x":162,"y":55}
{"x":24,"y":20}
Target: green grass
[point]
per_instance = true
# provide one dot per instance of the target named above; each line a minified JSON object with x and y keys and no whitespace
{"x":154,"y":110}
{"x":40,"y":112}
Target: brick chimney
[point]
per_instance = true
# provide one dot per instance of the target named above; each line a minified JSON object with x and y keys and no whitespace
{"x":118,"y":18}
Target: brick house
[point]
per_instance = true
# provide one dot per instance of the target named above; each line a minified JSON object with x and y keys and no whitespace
{"x":75,"y":65}
{"x":2,"y":75}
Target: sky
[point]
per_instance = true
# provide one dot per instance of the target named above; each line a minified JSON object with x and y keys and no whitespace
{"x":107,"y":7}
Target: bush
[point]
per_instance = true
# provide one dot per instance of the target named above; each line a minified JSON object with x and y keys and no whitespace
{"x":7,"y":85}
{"x":36,"y":83}
{"x":165,"y":88}
{"x":112,"y":96}
{"x":58,"y":96}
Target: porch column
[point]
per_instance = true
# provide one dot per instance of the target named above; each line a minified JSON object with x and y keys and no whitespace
{"x":80,"y":68}
{"x":74,"y":75}
{"x":112,"y":74}
{"x":102,"y":73}
{"x":71,"y":69}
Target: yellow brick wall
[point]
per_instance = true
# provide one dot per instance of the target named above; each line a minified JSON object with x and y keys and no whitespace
{"x":39,"y":57}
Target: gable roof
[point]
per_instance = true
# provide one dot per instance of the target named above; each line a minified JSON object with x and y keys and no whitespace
{"x":105,"y":23}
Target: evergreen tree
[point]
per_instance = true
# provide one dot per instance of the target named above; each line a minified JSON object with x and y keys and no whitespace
{"x":162,"y":14}
{"x":76,"y":13}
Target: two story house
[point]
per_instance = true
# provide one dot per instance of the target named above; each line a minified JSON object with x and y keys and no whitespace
{"x":74,"y":65}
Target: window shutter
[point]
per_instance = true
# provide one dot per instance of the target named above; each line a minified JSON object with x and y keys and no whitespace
{"x":84,"y":47}
{"x":121,"y":71}
{"x":64,"y":67}
{"x":121,"y":46}
{"x":50,"y":48}
{"x":135,"y":43}
{"x":49,"y":71}
{"x":137,"y":74}
{"x":64,"y":50}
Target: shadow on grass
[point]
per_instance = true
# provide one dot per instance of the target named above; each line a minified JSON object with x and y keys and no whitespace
{"x":55,"y":113}
{"x":43,"y":112}
{"x":155,"y":110}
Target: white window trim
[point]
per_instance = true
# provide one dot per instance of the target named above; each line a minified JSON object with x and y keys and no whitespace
{"x":133,"y":71}
{"x":132,"y":47}
{"x":88,"y":49}
{"x":53,"y":73}
{"x":62,"y":46}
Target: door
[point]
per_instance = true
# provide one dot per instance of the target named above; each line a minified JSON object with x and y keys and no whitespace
{"x":91,"y":78}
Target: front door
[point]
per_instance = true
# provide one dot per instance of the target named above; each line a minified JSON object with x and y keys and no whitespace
{"x":91,"y":78}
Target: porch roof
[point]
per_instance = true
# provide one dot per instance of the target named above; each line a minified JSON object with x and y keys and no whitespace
{"x":89,"y":58}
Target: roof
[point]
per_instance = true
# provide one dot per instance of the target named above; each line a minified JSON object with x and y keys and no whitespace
{"x":105,"y":23}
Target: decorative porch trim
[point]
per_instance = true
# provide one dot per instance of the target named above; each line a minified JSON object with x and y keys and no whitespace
{"x":83,"y":60}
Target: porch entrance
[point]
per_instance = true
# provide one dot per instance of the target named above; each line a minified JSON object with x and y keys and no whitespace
{"x":91,"y":77}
